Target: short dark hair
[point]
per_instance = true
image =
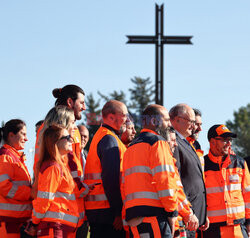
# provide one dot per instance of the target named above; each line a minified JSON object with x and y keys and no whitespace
{"x":39,"y":123}
{"x":68,"y":91}
{"x":197,"y":112}
{"x":14,"y":125}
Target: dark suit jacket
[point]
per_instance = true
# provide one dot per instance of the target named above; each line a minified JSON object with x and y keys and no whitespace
{"x":190,"y":170}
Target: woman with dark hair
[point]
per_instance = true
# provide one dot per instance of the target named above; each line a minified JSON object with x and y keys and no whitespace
{"x":15,"y":181}
{"x":55,"y":212}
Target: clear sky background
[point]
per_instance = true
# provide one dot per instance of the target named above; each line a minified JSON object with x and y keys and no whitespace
{"x":46,"y":44}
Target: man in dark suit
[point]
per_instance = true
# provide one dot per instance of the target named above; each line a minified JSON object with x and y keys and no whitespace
{"x":183,"y":120}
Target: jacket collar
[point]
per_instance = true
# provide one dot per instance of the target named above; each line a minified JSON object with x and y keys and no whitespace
{"x":21,"y":155}
{"x":219,"y":159}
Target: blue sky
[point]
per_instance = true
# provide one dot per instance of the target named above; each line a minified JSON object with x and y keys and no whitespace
{"x":46,"y":44}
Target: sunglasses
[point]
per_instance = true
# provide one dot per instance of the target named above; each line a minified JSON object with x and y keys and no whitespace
{"x":68,"y":138}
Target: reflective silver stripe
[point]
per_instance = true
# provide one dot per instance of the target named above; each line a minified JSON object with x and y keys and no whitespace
{"x":15,"y":207}
{"x":74,"y":174}
{"x":150,"y":195}
{"x":179,"y":183}
{"x":86,"y":191}
{"x":124,"y":222}
{"x":180,"y":206}
{"x":230,"y":187}
{"x":166,"y":193}
{"x":247,"y":205}
{"x":214,"y":190}
{"x":56,"y":215}
{"x":4,"y":177}
{"x":65,"y":196}
{"x":22,"y":183}
{"x":92,"y":176}
{"x":223,"y":212}
{"x":81,"y":215}
{"x":163,"y":168}
{"x":46,"y":195}
{"x":247,"y":189}
{"x":97,"y":197}
{"x":12,"y":191}
{"x":123,"y":179}
{"x":137,"y":169}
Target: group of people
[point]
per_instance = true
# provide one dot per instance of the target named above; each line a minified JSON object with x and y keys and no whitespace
{"x":156,"y":184}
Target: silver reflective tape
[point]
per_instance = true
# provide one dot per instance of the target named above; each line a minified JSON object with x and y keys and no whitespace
{"x":163,"y":168}
{"x":56,"y":215}
{"x":97,"y":197}
{"x":45,"y":195}
{"x":234,"y":178}
{"x":136,"y":195}
{"x":214,"y":190}
{"x":179,"y":183}
{"x":223,"y":212}
{"x":12,"y":191}
{"x":22,"y":183}
{"x":247,"y":189}
{"x":81,"y":215}
{"x":232,"y":187}
{"x":15,"y":207}
{"x":74,"y":174}
{"x":65,"y":196}
{"x":137,"y":169}
{"x":247,"y":205}
{"x":86,"y":191}
{"x":4,"y":177}
{"x":92,"y":176}
{"x":166,"y":193}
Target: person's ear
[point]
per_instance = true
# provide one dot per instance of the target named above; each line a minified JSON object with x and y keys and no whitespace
{"x":153,"y":121}
{"x":70,"y":103}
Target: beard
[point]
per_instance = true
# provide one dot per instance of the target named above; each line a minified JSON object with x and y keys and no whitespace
{"x":77,"y":114}
{"x":164,"y":132}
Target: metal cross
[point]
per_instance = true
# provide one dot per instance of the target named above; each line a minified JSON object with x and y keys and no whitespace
{"x":159,"y":40}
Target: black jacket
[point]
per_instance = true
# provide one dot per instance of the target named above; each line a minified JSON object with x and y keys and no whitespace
{"x":190,"y":170}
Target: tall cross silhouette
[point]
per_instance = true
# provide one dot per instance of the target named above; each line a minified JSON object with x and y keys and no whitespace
{"x":159,"y":40}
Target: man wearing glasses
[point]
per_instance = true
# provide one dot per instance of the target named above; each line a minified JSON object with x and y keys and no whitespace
{"x":183,"y":120}
{"x":227,"y":182}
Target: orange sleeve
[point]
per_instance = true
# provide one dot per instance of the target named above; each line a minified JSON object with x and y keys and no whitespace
{"x":246,"y":192}
{"x":164,"y":178}
{"x":10,"y":188}
{"x":48,"y":183}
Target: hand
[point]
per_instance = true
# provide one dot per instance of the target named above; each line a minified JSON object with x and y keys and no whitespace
{"x":171,"y":221}
{"x":92,"y":185}
{"x":118,"y":223}
{"x":30,"y":229}
{"x":248,"y":230}
{"x":192,"y":222}
{"x":206,"y":226}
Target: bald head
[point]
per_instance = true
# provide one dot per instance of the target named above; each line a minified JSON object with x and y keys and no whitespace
{"x":84,"y":132}
{"x":155,"y":117}
{"x":182,"y":118}
{"x":115,"y":114}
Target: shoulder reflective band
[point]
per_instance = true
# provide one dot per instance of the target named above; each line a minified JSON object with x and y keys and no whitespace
{"x":163,"y":168}
{"x":15,"y":207}
{"x":4,"y":177}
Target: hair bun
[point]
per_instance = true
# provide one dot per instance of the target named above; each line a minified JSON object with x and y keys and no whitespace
{"x":57,"y":92}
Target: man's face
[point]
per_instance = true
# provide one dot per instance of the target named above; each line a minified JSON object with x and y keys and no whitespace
{"x":197,"y":127}
{"x":129,"y":134}
{"x":219,"y":146}
{"x":186,"y":122}
{"x":84,"y":136}
{"x":121,"y":119}
{"x":172,"y":141}
{"x":164,"y":124}
{"x":79,"y":106}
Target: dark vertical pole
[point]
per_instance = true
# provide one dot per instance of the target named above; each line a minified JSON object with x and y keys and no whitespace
{"x":161,"y":62}
{"x":156,"y":56}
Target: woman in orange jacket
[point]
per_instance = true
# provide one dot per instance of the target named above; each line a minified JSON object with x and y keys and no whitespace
{"x":15,"y":181}
{"x":55,"y":212}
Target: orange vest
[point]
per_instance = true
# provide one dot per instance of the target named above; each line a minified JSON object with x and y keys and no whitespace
{"x":96,"y":199}
{"x":15,"y":185}
{"x":149,"y":177}
{"x":56,"y":199}
{"x":228,"y":189}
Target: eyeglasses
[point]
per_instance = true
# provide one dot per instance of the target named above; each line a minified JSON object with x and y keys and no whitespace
{"x":224,"y":140}
{"x":190,"y":121}
{"x":68,"y":138}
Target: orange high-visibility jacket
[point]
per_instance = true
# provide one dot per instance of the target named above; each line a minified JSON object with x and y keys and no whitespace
{"x":196,"y":146}
{"x":96,"y":198}
{"x":56,"y":198}
{"x":77,"y":172}
{"x":15,"y":186}
{"x":228,"y":189}
{"x":150,"y":180}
